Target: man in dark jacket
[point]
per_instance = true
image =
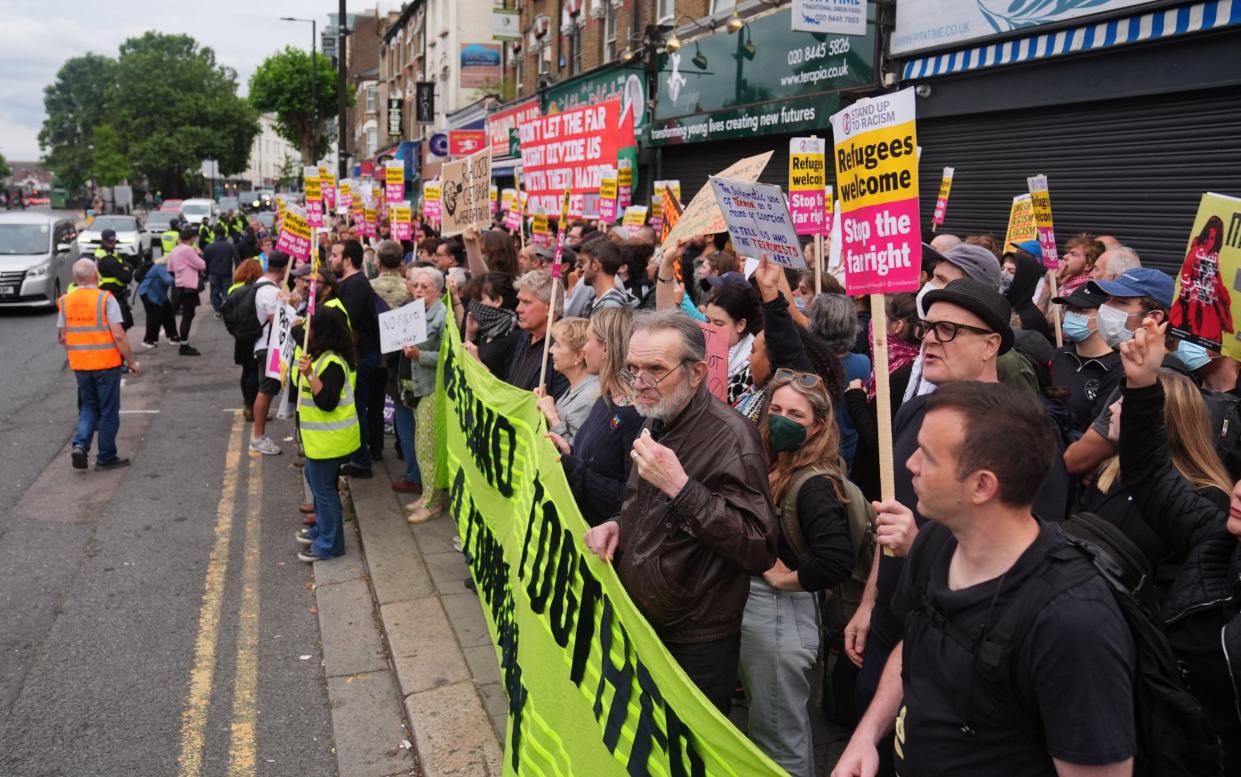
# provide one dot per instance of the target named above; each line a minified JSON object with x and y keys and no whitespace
{"x":534,"y":294}
{"x":221,"y":258}
{"x":697,"y":519}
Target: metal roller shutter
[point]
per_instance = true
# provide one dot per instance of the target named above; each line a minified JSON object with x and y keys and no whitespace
{"x":692,"y":164}
{"x":1132,"y":168}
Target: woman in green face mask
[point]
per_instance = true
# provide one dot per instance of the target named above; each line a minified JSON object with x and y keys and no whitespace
{"x":780,"y":629}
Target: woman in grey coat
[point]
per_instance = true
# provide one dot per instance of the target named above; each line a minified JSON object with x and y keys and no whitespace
{"x":566,"y":413}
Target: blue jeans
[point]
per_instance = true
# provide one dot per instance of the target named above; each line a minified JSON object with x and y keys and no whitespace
{"x":368,"y":363}
{"x":219,"y":289}
{"x":99,"y":395}
{"x":405,"y":434}
{"x":327,"y":533}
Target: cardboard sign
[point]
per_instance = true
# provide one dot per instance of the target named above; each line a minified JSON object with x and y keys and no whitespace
{"x":624,"y":183}
{"x":807,"y":182}
{"x":877,"y":183}
{"x":570,"y":150}
{"x":941,"y":202}
{"x":702,"y":215}
{"x":465,"y":184}
{"x":431,"y":192}
{"x":1020,"y":222}
{"x":758,"y":221}
{"x":280,"y":343}
{"x":294,"y":237}
{"x":407,"y":325}
{"x":1204,"y":307}
{"x":1040,"y":200}
{"x":402,"y":221}
{"x":635,"y":216}
{"x":717,"y":359}
{"x":394,"y":181}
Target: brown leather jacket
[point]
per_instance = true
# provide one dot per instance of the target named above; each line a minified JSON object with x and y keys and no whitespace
{"x":687,"y":561}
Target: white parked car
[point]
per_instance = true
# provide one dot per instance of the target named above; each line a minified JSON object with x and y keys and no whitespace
{"x":132,"y":239}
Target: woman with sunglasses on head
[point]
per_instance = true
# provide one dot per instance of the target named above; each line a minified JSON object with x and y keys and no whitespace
{"x":780,"y":629}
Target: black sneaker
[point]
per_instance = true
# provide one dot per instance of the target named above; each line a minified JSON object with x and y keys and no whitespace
{"x":309,"y":555}
{"x":189,"y":350}
{"x":303,"y":537}
{"x":351,"y":471}
{"x":78,"y":457}
{"x":116,"y":463}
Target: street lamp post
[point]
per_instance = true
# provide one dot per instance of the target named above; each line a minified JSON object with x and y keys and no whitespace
{"x":342,"y":36}
{"x":314,"y":87}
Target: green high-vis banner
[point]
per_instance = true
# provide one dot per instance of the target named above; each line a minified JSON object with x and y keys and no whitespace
{"x":591,"y":689}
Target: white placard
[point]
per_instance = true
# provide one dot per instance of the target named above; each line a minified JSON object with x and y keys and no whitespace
{"x":758,"y":221}
{"x":280,"y":343}
{"x":407,"y":325}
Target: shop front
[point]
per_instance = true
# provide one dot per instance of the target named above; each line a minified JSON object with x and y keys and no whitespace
{"x":730,"y":95}
{"x":1131,"y":112}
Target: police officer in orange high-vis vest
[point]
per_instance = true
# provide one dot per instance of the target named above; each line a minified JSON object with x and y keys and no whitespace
{"x":98,"y":348}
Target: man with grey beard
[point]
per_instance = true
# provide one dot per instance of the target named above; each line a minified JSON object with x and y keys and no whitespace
{"x":697,"y":519}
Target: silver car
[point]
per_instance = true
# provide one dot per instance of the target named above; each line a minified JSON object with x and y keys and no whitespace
{"x":37,"y":252}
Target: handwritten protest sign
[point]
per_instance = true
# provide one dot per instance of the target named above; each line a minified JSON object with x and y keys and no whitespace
{"x":607,"y":196}
{"x":702,"y":214}
{"x":394,"y":181}
{"x":402,"y":221}
{"x":1205,"y":309}
{"x":624,"y":183}
{"x":465,"y":183}
{"x":1020,"y":222}
{"x":1040,"y":200}
{"x":407,"y":325}
{"x":344,"y":199}
{"x":758,"y":221}
{"x":312,"y":186}
{"x":717,"y":359}
{"x":431,"y":200}
{"x":807,"y":179}
{"x":280,"y":343}
{"x":294,"y":237}
{"x":570,"y":150}
{"x":635,"y":216}
{"x":941,"y":202}
{"x":877,"y":181}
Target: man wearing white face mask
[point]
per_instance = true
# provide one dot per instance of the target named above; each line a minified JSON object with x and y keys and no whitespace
{"x":1088,"y":368}
{"x":1136,"y":294}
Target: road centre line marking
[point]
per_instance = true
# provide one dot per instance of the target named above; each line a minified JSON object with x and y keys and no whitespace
{"x":202,"y":672}
{"x":123,"y":412}
{"x":244,"y":735}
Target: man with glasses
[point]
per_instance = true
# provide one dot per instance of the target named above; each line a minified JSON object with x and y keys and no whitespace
{"x":964,"y":332}
{"x":697,"y":519}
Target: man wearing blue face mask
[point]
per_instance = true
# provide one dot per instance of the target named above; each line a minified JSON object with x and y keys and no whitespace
{"x":1137,"y":294}
{"x":1088,"y":368}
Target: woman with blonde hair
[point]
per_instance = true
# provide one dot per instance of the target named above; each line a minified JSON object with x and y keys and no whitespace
{"x":780,"y":628}
{"x":1193,"y":456}
{"x":566,"y":413}
{"x":597,"y":462}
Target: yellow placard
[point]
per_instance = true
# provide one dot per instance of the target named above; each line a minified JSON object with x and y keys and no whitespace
{"x":431,"y":191}
{"x":879,"y":169}
{"x":394,"y":175}
{"x":625,"y":176}
{"x":313,"y":188}
{"x":538,"y":224}
{"x":635,"y":216}
{"x":1021,"y":225}
{"x":607,"y":188}
{"x":807,"y":172}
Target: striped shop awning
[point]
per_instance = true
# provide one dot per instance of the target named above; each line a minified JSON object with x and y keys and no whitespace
{"x":1154,"y":25}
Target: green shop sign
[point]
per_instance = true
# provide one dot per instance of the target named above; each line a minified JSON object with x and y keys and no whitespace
{"x":762,"y":80}
{"x":629,"y":83}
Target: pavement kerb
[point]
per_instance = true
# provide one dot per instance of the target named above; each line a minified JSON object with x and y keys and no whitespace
{"x":433,"y":631}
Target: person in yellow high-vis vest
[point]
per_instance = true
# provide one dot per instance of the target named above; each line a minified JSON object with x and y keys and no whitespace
{"x":329,"y":428}
{"x":95,"y":341}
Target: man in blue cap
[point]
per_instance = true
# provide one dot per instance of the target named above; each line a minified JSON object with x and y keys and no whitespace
{"x":1136,"y":294}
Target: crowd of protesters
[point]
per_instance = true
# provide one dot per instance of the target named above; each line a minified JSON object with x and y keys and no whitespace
{"x":749,"y":529}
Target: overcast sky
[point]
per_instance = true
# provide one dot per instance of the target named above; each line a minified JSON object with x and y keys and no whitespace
{"x":37,"y":36}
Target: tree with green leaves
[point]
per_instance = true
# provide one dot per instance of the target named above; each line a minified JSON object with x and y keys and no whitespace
{"x":5,"y":170}
{"x":110,"y":165}
{"x":290,"y":173}
{"x":168,"y":101}
{"x":281,"y":86}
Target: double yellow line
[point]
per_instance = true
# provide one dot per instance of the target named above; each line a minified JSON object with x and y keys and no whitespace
{"x":243,"y":736}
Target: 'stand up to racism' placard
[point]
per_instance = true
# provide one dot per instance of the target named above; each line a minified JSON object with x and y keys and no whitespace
{"x":877,"y":178}
{"x":571,"y":150}
{"x":758,"y":221}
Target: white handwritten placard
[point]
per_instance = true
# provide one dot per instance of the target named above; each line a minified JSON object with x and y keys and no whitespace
{"x":407,"y":325}
{"x":758,"y":221}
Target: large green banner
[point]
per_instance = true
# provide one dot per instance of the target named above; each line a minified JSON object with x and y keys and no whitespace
{"x":591,"y":689}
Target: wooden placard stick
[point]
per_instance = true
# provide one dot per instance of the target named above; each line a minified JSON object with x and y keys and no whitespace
{"x":883,"y":400}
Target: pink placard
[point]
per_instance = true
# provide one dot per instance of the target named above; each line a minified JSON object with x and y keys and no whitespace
{"x":808,"y":211}
{"x":512,"y":221}
{"x":329,"y":198}
{"x":314,"y":213}
{"x":624,"y":197}
{"x":607,"y":210}
{"x":717,"y":360}
{"x":882,"y":249}
{"x":431,"y":209}
{"x":1047,"y":245}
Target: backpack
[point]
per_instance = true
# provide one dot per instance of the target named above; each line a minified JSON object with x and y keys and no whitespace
{"x":1224,"y":410}
{"x":240,"y":313}
{"x":842,"y":600}
{"x":1172,"y":732}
